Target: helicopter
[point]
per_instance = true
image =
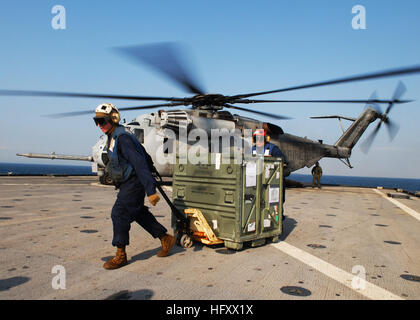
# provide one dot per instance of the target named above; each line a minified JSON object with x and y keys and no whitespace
{"x":207,"y":112}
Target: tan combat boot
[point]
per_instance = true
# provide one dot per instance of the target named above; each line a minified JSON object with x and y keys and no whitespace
{"x":118,"y":261}
{"x":168,"y":242}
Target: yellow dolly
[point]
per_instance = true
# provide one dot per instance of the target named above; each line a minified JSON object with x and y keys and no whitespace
{"x":199,"y":230}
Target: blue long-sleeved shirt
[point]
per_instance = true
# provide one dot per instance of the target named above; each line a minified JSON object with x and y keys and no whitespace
{"x":273,"y":150}
{"x":127,"y":149}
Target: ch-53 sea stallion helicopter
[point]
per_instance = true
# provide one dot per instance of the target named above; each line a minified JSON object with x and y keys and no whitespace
{"x":207,"y":113}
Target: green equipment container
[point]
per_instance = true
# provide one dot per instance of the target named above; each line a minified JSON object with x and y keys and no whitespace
{"x":242,"y":202}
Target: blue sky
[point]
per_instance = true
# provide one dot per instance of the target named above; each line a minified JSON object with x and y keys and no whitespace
{"x":235,"y":46}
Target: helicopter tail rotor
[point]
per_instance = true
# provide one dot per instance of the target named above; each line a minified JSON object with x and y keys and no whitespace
{"x":384,"y":118}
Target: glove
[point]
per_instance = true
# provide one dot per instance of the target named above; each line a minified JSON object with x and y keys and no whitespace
{"x":153,"y":199}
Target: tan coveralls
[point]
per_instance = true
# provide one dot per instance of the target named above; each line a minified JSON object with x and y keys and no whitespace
{"x":317,"y":174}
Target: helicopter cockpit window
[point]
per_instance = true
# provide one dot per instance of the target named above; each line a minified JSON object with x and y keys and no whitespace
{"x":139,"y":134}
{"x":273,"y":129}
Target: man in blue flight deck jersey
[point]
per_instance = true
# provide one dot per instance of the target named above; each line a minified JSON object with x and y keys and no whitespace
{"x":261,"y":139}
{"x":129,"y":168}
{"x":263,"y":144}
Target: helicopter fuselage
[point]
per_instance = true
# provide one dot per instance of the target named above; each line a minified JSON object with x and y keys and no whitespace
{"x":160,"y":133}
{"x":164,"y":134}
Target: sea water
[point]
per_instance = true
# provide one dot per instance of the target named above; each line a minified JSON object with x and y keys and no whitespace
{"x":47,"y":169}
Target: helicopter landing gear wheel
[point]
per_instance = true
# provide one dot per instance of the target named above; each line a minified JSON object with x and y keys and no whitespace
{"x":185,"y":241}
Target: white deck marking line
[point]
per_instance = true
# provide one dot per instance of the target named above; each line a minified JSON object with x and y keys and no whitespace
{"x":370,"y":291}
{"x":410,"y":211}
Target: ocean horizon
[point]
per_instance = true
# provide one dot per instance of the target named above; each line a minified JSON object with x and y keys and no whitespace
{"x":9,"y":168}
{"x":407,"y":184}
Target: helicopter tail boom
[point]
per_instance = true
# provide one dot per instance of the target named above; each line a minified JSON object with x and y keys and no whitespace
{"x":352,"y":135}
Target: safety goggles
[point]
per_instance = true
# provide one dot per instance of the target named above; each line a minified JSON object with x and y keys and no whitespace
{"x":101,"y":121}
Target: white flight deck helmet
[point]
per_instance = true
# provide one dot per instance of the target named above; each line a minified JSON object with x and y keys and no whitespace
{"x":107,"y":111}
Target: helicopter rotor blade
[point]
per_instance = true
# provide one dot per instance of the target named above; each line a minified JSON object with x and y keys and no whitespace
{"x":79,"y":113}
{"x":377,"y":101}
{"x":31,"y":93}
{"x":271,"y":115}
{"x":392,"y":128}
{"x":372,"y":103}
{"x":369,"y":76}
{"x":152,"y":106}
{"x":365,"y":146}
{"x":167,"y":59}
{"x":399,"y":92}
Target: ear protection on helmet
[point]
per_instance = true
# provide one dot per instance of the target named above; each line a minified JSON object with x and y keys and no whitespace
{"x":115,"y":117}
